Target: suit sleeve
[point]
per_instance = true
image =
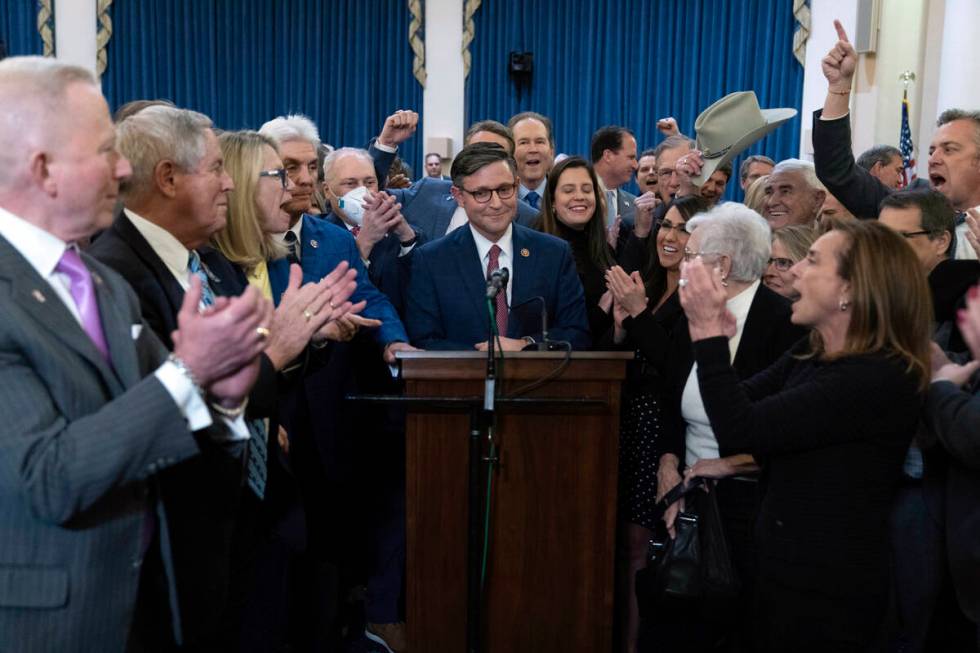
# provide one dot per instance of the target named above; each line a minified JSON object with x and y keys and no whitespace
{"x":953,"y":416}
{"x":848,"y":182}
{"x":378,"y":307}
{"x":382,"y":162}
{"x":569,"y":322}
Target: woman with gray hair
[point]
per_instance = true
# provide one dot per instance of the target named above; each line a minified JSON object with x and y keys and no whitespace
{"x":735,"y":241}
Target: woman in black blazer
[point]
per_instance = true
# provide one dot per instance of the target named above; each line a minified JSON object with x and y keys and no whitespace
{"x":831,"y":422}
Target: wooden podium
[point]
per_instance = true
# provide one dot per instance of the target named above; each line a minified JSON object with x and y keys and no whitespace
{"x":549,"y":576}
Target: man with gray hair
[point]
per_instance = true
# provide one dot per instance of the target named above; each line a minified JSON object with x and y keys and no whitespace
{"x":92,"y":406}
{"x":884,"y":163}
{"x":794,"y":195}
{"x":752,"y":168}
{"x":175,"y":200}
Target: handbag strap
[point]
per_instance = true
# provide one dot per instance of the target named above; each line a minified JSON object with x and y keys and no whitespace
{"x":680,"y":491}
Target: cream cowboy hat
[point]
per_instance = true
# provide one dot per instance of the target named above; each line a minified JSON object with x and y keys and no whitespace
{"x":730,"y":126}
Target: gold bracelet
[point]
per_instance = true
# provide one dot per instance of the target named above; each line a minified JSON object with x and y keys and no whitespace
{"x":847,"y":92}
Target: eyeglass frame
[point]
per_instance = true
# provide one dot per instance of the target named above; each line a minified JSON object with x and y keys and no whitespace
{"x":913,"y":234}
{"x":276,"y":172}
{"x":690,"y":256}
{"x":490,"y":191}
{"x":677,"y":228}
{"x":781,"y":262}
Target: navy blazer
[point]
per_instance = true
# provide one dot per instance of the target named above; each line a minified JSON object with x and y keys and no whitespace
{"x":388,"y":270}
{"x":323,"y":247}
{"x":447,"y":292}
{"x":429,"y":204}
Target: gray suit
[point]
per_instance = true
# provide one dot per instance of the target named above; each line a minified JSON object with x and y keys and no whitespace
{"x":626,"y":206}
{"x":79,"y":440}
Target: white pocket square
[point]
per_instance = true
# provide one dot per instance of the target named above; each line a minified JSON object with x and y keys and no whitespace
{"x":136,"y":329}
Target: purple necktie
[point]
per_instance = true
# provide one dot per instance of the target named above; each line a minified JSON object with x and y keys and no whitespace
{"x":83,"y":292}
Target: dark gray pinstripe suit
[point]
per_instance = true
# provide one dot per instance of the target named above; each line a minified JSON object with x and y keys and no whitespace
{"x":77,"y":443}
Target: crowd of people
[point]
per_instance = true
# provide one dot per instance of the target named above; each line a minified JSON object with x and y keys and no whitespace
{"x":187,"y":309}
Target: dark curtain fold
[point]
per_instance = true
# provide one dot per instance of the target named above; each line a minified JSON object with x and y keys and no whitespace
{"x":631,"y":62}
{"x":18,"y":27}
{"x":346,"y":63}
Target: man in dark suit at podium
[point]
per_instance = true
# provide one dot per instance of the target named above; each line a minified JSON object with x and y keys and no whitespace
{"x":447,"y":299}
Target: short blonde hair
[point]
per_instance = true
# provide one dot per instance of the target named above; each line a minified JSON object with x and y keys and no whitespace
{"x":243,"y":241}
{"x":796,"y":238}
{"x":755,"y":194}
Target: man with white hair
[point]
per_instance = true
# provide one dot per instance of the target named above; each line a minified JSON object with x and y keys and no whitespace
{"x":794,"y":195}
{"x":92,"y":406}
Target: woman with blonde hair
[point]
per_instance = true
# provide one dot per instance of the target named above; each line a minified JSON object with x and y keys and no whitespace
{"x":755,"y":194}
{"x":789,"y":245}
{"x":830,"y":422}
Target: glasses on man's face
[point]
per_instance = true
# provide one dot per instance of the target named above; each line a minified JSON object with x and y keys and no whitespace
{"x":678,"y":229}
{"x":483,"y":195}
{"x":691,"y":255}
{"x":278,"y":172}
{"x":913,"y":234}
{"x":781,"y":264}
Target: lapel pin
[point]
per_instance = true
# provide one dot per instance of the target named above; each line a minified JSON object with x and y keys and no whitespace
{"x":96,"y":278}
{"x":39,"y":296}
{"x":525,"y":252}
{"x":314,"y":244}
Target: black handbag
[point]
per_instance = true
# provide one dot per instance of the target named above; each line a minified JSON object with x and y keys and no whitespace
{"x":697,"y":563}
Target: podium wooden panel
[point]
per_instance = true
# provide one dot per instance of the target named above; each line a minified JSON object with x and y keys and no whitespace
{"x":550,"y":573}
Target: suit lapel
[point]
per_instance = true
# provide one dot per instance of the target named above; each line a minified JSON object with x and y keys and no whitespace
{"x":755,"y":331}
{"x":444,"y":215}
{"x":117,"y":327}
{"x":171,"y":288}
{"x":38,"y":299}
{"x":525,"y":273}
{"x":470,"y":270}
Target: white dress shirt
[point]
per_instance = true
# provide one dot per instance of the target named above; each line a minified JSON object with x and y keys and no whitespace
{"x":506,"y":258}
{"x":43,"y":250}
{"x":700,"y":438}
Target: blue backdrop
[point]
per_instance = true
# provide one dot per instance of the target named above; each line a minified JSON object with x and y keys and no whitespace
{"x":631,"y":62}
{"x":18,"y":27}
{"x":345,"y":63}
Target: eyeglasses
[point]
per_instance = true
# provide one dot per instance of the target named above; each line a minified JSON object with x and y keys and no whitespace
{"x":679,"y":229}
{"x":782,"y":264}
{"x":278,"y":172}
{"x":483,"y":195}
{"x":913,"y":234}
{"x":690,"y":256}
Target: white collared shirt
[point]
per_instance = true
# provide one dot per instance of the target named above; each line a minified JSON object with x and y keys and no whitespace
{"x":43,"y":251}
{"x":700,"y":438}
{"x":506,"y":258}
{"x":296,"y":229}
{"x":170,"y":250}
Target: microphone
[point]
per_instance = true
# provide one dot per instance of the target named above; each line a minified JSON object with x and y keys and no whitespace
{"x":497,"y":282}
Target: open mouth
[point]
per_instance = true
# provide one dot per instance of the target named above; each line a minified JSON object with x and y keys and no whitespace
{"x":667,"y":249}
{"x":936,"y":180}
{"x":532,"y":162}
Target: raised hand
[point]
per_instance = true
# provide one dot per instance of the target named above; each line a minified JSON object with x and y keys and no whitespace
{"x":643,"y":221}
{"x":668,"y":126}
{"x":627,"y":290}
{"x":398,"y":127}
{"x":840,"y":63}
{"x":704,"y":300}
{"x":381,"y":215}
{"x":686,"y":169}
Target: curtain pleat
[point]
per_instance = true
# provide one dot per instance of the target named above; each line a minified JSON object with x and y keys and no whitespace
{"x":631,"y":62}
{"x":18,"y":27}
{"x":346,"y":63}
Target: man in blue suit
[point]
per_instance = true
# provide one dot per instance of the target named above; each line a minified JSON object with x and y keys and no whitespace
{"x":447,"y":306}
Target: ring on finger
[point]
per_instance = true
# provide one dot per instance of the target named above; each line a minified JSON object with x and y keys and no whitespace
{"x":307,"y":314}
{"x":682,"y":282}
{"x":262,"y":332}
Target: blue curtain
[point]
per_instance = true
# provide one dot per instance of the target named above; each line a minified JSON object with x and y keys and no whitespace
{"x":346,"y":64}
{"x":631,"y":62}
{"x":18,"y":27}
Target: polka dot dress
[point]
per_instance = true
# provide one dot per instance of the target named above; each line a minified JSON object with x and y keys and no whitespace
{"x":639,"y":457}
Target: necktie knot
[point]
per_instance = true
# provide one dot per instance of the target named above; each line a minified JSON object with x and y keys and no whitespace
{"x":197,"y":269}
{"x":292,"y":245}
{"x":532,"y":198}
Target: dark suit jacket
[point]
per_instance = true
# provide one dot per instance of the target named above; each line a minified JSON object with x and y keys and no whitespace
{"x":388,"y":270}
{"x":833,"y":158}
{"x":953,"y":416}
{"x":428,"y":204}
{"x":446,"y":294}
{"x":79,"y":441}
{"x":203,"y":496}
{"x":625,"y":206}
{"x":323,"y":247}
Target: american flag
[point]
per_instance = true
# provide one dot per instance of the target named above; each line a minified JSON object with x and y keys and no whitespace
{"x":905,"y":144}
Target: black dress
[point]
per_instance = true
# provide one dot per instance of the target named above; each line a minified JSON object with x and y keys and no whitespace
{"x":833,"y":436}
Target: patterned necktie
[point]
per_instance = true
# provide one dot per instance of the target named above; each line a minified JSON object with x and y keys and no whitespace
{"x":292,"y":244}
{"x":83,"y":292}
{"x":501,"y":299}
{"x":532,"y":198}
{"x":356,"y":229}
{"x":197,"y":268}
{"x":258,"y":451}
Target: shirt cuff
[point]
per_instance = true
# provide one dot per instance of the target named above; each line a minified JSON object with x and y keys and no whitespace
{"x":189,"y":402}
{"x":402,"y":250}
{"x":237,"y":429}
{"x":385,"y":148}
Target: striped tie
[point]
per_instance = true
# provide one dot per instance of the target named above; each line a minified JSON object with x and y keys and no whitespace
{"x":501,"y":308}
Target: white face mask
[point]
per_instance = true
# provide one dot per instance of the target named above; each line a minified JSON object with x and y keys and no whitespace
{"x":352,"y":204}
